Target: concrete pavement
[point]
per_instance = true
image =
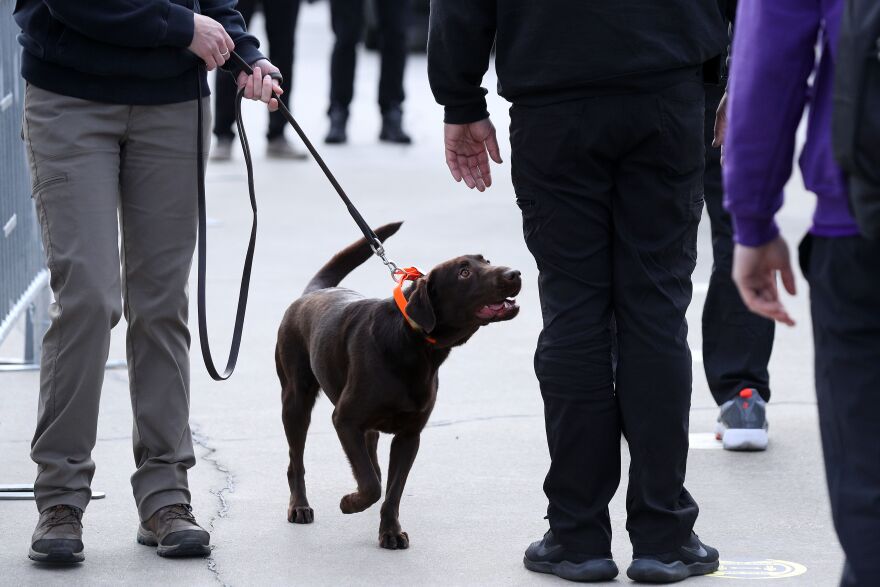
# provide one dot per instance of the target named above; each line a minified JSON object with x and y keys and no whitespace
{"x":474,"y":498}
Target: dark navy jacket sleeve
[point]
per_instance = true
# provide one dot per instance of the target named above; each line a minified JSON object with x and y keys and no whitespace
{"x":224,"y":12}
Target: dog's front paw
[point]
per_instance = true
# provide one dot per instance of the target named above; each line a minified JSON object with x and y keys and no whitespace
{"x":358,"y":501}
{"x":394,"y":540}
{"x":300,"y":515}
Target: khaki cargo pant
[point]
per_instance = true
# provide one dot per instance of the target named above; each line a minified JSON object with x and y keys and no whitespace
{"x":99,"y":170}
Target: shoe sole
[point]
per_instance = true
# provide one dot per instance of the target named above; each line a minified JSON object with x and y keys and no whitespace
{"x":57,"y":557}
{"x":587,"y":572}
{"x":186,"y":549}
{"x":386,"y":139}
{"x":652,"y":571}
{"x":745,"y":439}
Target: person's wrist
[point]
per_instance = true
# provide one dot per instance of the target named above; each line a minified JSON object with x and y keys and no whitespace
{"x":754,"y":231}
{"x":466,"y":113}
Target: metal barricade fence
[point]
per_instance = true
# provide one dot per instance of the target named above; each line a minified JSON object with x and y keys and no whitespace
{"x":24,"y":278}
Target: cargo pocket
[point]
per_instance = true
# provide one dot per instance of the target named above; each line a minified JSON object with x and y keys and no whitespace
{"x":682,"y":150}
{"x":43,"y":184}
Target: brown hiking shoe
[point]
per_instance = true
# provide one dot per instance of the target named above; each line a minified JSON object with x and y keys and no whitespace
{"x":58,"y":536}
{"x":173,"y":529}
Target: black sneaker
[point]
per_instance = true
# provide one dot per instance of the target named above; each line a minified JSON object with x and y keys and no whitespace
{"x":58,"y":536}
{"x":742,"y":423}
{"x":692,"y":558}
{"x":548,"y":556}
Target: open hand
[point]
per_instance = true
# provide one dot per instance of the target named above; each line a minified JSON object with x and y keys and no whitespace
{"x":754,"y":272}
{"x":260,"y":85}
{"x":467,"y":146}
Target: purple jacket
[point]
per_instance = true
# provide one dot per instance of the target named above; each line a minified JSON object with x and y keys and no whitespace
{"x":773,"y":58}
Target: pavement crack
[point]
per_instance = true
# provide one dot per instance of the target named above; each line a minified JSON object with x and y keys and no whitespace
{"x":203,"y":440}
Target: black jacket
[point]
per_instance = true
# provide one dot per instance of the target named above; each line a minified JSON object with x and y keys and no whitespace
{"x":552,"y":50}
{"x":728,"y":9}
{"x":121,"y":51}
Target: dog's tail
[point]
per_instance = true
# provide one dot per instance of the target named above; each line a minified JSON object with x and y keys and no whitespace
{"x":347,"y":260}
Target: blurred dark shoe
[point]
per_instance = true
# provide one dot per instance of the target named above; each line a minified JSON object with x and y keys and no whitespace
{"x":392,"y":128}
{"x":742,"y":423}
{"x":338,"y":120}
{"x":222,"y":150}
{"x":175,"y":533}
{"x":280,"y":148}
{"x":549,"y":556}
{"x":692,"y":558}
{"x":58,"y":536}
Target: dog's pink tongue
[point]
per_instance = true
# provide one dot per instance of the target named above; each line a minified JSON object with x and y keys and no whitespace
{"x":491,"y":310}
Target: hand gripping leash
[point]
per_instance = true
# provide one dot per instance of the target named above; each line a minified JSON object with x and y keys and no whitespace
{"x":368,"y":233}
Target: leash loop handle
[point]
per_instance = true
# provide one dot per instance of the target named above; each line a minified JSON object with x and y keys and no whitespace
{"x":235,"y":345}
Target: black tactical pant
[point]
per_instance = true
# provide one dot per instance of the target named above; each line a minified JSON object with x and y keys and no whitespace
{"x":736,"y":342}
{"x":611,"y":193}
{"x":845,"y":306}
{"x":347,"y":17}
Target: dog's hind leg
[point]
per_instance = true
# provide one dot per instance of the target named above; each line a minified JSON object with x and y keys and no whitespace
{"x":404,"y":448}
{"x":372,"y":437}
{"x":299,"y":393}
{"x":354,"y":443}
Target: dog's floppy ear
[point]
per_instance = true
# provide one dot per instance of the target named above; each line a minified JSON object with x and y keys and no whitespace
{"x":419,"y":307}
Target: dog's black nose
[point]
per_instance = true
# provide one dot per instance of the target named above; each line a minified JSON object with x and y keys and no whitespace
{"x":511,"y":274}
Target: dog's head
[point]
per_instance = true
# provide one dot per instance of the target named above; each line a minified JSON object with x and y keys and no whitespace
{"x":462,"y":294}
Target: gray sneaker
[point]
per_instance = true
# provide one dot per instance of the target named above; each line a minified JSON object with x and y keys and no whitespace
{"x":279,"y":148}
{"x":222,"y":150}
{"x":58,"y":536}
{"x":742,"y":423}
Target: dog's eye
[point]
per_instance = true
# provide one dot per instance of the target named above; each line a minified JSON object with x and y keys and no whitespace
{"x":464,"y":273}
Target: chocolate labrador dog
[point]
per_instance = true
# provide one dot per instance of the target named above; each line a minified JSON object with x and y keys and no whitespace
{"x":377,"y":361}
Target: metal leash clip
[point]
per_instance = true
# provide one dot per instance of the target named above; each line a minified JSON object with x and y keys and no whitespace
{"x":379,"y":250}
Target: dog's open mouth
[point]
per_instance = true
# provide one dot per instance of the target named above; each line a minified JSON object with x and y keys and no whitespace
{"x":498,"y":311}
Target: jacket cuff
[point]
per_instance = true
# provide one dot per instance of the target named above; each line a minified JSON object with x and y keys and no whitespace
{"x":466,"y":113}
{"x":179,"y":26}
{"x":247,"y":51}
{"x":754,"y":232}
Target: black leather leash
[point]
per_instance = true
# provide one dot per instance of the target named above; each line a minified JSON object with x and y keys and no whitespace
{"x":368,"y":233}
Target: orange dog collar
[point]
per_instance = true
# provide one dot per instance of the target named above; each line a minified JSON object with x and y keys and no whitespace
{"x":408,"y":274}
